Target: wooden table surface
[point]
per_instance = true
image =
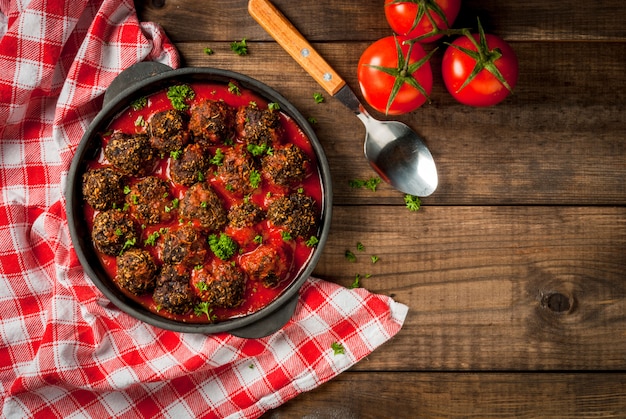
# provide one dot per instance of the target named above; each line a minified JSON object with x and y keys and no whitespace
{"x":514,"y":269}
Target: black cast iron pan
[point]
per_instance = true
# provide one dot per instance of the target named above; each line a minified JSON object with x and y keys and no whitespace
{"x":141,"y":80}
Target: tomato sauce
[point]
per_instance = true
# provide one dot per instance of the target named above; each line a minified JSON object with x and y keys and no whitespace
{"x":257,"y":295}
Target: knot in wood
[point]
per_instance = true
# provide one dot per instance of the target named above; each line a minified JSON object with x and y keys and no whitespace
{"x":556,"y":302}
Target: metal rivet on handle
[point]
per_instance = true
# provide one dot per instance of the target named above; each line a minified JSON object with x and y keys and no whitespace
{"x":328,"y":76}
{"x":305,"y":52}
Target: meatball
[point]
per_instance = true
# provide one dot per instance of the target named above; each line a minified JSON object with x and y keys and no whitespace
{"x":286,"y":165}
{"x":130,"y":154}
{"x":245,"y":214}
{"x":296,"y":212}
{"x":202,"y":204}
{"x":238,"y":171}
{"x":136,"y":271}
{"x":112,"y":230}
{"x":103,"y":188}
{"x":191,"y":166}
{"x":257,"y":126}
{"x":149,"y":201}
{"x":211,"y":122}
{"x":168,"y":130}
{"x":267,"y":264}
{"x":184,"y":245}
{"x":222,"y":286}
{"x":173,"y":291}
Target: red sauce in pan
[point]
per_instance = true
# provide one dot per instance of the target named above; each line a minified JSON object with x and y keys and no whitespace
{"x":256,"y":295}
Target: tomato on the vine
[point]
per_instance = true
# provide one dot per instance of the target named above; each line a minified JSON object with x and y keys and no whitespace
{"x":395,"y":77}
{"x":421,"y":19}
{"x":480,"y":69}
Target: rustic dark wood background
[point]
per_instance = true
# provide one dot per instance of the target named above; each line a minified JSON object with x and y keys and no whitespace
{"x":515,"y":269}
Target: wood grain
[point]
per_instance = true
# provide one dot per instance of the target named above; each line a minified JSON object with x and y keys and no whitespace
{"x":467,"y":395}
{"x":513,"y":270}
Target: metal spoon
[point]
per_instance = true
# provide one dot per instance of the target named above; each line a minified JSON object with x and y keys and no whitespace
{"x":395,"y":151}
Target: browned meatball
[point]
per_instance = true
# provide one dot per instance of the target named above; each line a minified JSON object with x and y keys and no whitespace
{"x":184,"y":245}
{"x":103,"y":188}
{"x":297,"y":213}
{"x":238,"y":171}
{"x":258,"y":126}
{"x":202,"y":204}
{"x":245,"y":214}
{"x":267,"y":264}
{"x":173,"y":291}
{"x":136,"y":271}
{"x":131,"y":154}
{"x":286,"y":165}
{"x":112,"y":229}
{"x":168,"y":130}
{"x":191,"y":165}
{"x":223,"y":285}
{"x":211,"y":122}
{"x":150,"y":201}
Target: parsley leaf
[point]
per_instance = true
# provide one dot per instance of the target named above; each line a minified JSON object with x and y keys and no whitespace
{"x":203,"y":308}
{"x":179,"y":94}
{"x":371,"y":183}
{"x":318,"y":97}
{"x":338,"y":348}
{"x":223,"y":246}
{"x":412,"y":202}
{"x":239,"y":47}
{"x":138,"y":104}
{"x":350,"y":256}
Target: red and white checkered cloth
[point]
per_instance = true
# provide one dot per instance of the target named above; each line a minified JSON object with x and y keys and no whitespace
{"x":65,"y":351}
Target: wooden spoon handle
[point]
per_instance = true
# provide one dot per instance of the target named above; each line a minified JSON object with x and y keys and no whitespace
{"x":292,"y":41}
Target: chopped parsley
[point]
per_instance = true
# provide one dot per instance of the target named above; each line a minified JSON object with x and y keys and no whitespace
{"x":179,"y":94}
{"x":140,"y":122}
{"x":239,"y":47}
{"x":374,"y":258}
{"x":208,"y":51}
{"x":259,"y":149}
{"x":204,"y":309}
{"x":258,"y":239}
{"x":312,"y":120}
{"x":356,"y":283}
{"x":360,"y":247}
{"x":318,"y":97}
{"x":218,"y":158}
{"x":223,"y":246}
{"x":350,"y":257}
{"x":255,"y":178}
{"x":152,"y":238}
{"x":234,"y":89}
{"x":139,"y":104}
{"x":371,"y":183}
{"x":273,"y":106}
{"x":176,"y":154}
{"x":285,"y":235}
{"x":128,"y":244}
{"x":338,"y":348}
{"x":412,"y":202}
{"x":313,"y":241}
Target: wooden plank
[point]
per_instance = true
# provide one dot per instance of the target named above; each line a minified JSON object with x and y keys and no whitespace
{"x":329,"y":20}
{"x":452,"y":395}
{"x":491,"y":288}
{"x":561,"y":139}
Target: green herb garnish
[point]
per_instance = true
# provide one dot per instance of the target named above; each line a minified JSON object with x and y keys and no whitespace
{"x":223,"y":246}
{"x":234,"y":89}
{"x":337,"y":348}
{"x":313,"y":241}
{"x":139,"y":104}
{"x":412,"y":202}
{"x":318,"y":97}
{"x":350,"y":257}
{"x":179,"y":94}
{"x":204,"y":309}
{"x":208,"y":51}
{"x":371,"y":183}
{"x":239,"y":47}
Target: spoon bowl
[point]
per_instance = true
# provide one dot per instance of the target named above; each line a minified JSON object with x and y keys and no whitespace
{"x":394,"y":150}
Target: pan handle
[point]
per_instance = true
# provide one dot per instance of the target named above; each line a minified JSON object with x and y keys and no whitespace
{"x":133,"y":74}
{"x":292,"y":41}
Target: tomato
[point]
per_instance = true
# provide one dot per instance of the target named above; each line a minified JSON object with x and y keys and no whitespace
{"x":497,"y":69}
{"x":389,"y":82}
{"x":415,"y":18}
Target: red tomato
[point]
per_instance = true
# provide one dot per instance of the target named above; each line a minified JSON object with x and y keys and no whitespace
{"x":485,"y":88}
{"x":411,"y":18}
{"x":383,"y":65}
